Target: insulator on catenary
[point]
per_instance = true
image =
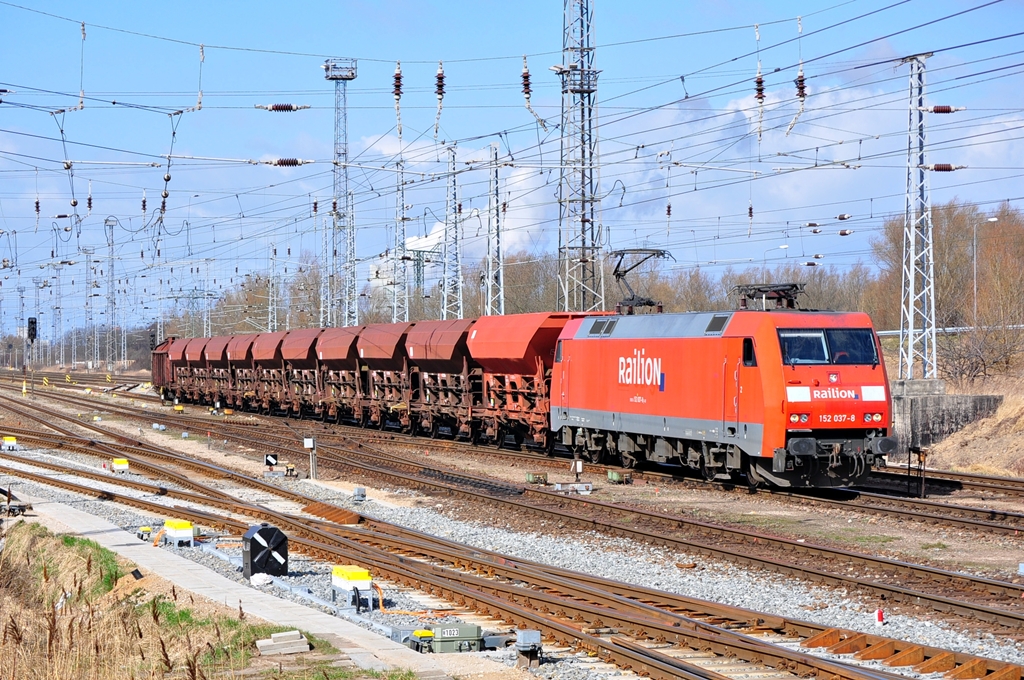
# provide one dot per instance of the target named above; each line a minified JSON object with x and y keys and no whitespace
{"x":941,"y":108}
{"x":527,"y":92}
{"x":282,"y":107}
{"x":163,"y":206}
{"x":88,"y":200}
{"x":286,"y":162}
{"x":37,"y":207}
{"x":759,"y":96}
{"x":334,"y":206}
{"x":397,"y":91}
{"x":439,"y":91}
{"x":143,"y":201}
{"x":942,"y":167}
{"x":315,"y":205}
{"x":668,"y":210}
{"x":801,"y":94}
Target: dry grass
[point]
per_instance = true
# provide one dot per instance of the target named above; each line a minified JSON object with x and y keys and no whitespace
{"x":993,"y":445}
{"x":69,"y":609}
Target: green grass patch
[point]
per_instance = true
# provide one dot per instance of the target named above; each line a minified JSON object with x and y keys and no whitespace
{"x":773,"y":522}
{"x":875,"y":539}
{"x":938,"y":545}
{"x":102,"y":559}
{"x":170,"y":614}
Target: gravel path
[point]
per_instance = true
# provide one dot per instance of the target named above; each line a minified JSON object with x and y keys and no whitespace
{"x":587,"y":552}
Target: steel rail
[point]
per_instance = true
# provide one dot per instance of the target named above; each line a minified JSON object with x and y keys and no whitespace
{"x":518,"y":570}
{"x":482,"y":595}
{"x":1008,"y":592}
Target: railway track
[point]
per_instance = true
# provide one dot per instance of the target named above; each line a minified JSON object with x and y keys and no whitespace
{"x":989,"y":600}
{"x":852,"y":500}
{"x":671,"y":636}
{"x":938,"y":481}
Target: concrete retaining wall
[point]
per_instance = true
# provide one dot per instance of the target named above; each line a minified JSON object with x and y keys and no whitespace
{"x":923,"y":414}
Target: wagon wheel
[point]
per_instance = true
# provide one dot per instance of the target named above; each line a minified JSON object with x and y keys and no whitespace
{"x":518,"y":437}
{"x":434,"y":429}
{"x":549,"y":445}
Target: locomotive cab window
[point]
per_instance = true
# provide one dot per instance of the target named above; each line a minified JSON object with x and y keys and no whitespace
{"x":558,"y":352}
{"x":598,"y":327}
{"x":852,"y":345}
{"x":749,"y":358}
{"x":828,"y":346}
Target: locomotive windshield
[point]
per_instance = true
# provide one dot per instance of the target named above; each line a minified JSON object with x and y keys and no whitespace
{"x":828,"y":346}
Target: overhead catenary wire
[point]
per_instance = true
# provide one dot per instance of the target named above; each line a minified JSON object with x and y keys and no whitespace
{"x":524,"y":160}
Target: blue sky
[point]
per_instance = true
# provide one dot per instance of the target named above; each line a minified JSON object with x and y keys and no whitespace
{"x":224,"y":213}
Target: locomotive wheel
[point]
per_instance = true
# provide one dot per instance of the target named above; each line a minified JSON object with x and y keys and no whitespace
{"x":628,"y":461}
{"x":754,"y":479}
{"x":706,"y":472}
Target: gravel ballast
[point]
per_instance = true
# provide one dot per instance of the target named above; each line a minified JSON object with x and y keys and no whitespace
{"x":591,"y":553}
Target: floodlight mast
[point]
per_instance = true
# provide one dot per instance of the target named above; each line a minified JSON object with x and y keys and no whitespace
{"x":344,"y":307}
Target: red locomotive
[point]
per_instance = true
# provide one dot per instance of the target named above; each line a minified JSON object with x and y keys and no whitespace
{"x":787,"y":397}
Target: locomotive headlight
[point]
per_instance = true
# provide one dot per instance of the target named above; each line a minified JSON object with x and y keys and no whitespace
{"x":867,"y":417}
{"x":877,"y":417}
{"x":794,"y":418}
{"x":803,"y":417}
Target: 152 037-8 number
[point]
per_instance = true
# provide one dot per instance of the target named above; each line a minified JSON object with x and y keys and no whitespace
{"x":837,"y":418}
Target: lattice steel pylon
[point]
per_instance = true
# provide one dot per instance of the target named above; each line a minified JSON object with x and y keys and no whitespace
{"x":23,"y":328}
{"x":38,"y":283}
{"x":451,"y":248}
{"x":917,"y":308}
{"x":109,"y":335}
{"x":580,"y":238}
{"x":326,"y":276}
{"x":495,"y":272}
{"x":91,"y":345}
{"x":272,"y":291}
{"x":341,"y":71}
{"x":400,"y":255}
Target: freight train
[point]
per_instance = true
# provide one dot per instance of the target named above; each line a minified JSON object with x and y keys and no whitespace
{"x":784,"y":397}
